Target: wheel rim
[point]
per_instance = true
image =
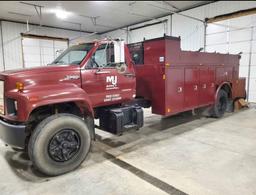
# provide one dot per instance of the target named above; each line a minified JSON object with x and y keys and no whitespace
{"x":222,"y":104}
{"x":64,"y":145}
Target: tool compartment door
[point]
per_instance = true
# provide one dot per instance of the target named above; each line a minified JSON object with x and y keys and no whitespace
{"x":191,"y":88}
{"x":174,"y":87}
{"x":206,"y":86}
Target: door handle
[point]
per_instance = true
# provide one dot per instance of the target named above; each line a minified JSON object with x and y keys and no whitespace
{"x":195,"y":87}
{"x":204,"y":86}
{"x":129,"y":74}
{"x":179,"y":89}
{"x":102,"y":72}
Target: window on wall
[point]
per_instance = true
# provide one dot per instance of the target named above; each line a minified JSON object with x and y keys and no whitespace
{"x":39,"y":51}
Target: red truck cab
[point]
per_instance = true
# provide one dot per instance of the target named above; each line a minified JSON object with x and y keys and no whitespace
{"x":49,"y":111}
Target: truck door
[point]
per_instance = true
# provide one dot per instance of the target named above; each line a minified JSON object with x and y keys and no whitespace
{"x":105,"y":81}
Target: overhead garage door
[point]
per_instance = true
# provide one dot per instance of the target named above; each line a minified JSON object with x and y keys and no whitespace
{"x":38,"y":51}
{"x":233,"y":36}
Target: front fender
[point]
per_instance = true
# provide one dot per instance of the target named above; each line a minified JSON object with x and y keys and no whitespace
{"x":32,"y":98}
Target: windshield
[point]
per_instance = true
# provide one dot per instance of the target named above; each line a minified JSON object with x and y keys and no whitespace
{"x":74,"y":54}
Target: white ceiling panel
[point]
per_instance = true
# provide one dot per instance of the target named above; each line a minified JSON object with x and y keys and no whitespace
{"x":110,"y":14}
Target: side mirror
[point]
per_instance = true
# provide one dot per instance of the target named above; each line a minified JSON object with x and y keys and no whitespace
{"x":119,"y":51}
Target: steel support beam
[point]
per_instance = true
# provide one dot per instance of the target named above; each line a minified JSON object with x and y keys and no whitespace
{"x":250,"y":64}
{"x":2,"y":44}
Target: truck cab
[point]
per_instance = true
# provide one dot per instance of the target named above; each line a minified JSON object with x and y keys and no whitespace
{"x":87,"y":81}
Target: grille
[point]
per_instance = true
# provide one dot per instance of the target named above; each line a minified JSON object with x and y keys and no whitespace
{"x":1,"y":97}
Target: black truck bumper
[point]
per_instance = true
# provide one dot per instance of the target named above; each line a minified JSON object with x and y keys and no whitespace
{"x":13,"y":135}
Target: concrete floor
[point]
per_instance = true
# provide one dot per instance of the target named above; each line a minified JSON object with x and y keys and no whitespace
{"x":183,"y":154}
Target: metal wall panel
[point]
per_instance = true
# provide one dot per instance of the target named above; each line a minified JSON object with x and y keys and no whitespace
{"x":12,"y":45}
{"x":238,"y":38}
{"x":149,"y":32}
{"x":190,"y":31}
{"x":219,"y":8}
{"x":116,"y":34}
{"x":1,"y":50}
{"x":216,"y":39}
{"x":40,"y":52}
{"x":237,"y":47}
{"x":31,"y":52}
{"x":12,"y":40}
{"x":220,"y":48}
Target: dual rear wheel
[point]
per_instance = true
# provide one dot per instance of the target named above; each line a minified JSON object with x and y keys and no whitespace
{"x":221,"y":104}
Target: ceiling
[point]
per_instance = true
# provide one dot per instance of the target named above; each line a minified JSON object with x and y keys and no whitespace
{"x":109,"y":15}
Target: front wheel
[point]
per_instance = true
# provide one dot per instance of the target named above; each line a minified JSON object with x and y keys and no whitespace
{"x":59,"y":144}
{"x":221,"y":104}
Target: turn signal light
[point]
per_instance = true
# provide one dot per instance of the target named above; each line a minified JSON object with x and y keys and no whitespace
{"x":19,"y":86}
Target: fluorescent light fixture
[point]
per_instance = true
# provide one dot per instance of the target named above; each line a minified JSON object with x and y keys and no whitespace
{"x":100,"y":1}
{"x":61,"y":14}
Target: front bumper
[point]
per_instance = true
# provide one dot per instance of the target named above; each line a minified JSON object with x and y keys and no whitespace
{"x":13,"y":135}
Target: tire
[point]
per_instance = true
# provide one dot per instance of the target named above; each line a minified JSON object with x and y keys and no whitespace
{"x":221,"y":104}
{"x":59,"y":144}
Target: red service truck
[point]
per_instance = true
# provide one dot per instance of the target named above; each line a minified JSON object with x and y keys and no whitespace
{"x":49,"y":111}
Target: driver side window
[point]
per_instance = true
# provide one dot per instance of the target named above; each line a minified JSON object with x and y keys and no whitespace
{"x":103,"y":56}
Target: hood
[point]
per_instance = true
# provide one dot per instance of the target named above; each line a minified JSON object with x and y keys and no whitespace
{"x":38,"y":70}
{"x":46,"y":75}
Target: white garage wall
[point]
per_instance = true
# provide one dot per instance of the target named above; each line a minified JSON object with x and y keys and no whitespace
{"x":235,"y":36}
{"x":122,"y":34}
{"x":149,"y":32}
{"x":41,"y":51}
{"x":1,"y":51}
{"x":12,"y":40}
{"x":191,"y":31}
{"x":154,"y":31}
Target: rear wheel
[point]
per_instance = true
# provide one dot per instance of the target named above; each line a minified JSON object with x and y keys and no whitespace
{"x":221,"y":104}
{"x":59,"y":144}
